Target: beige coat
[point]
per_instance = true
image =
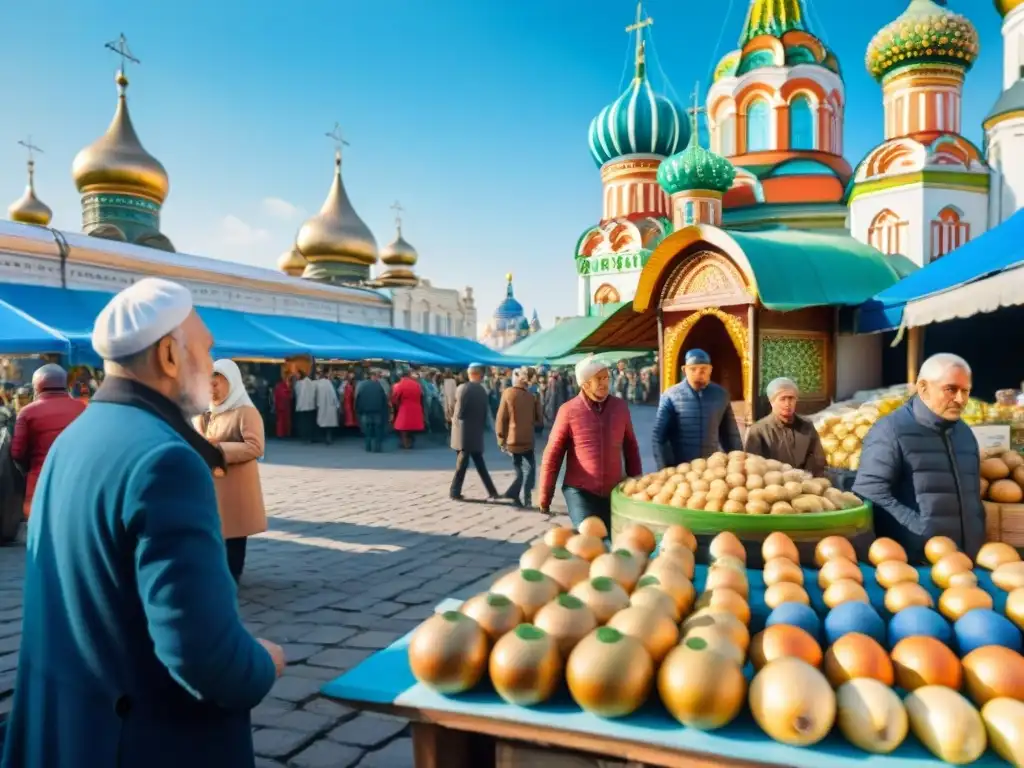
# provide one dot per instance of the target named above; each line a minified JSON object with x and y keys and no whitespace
{"x":239,"y":434}
{"x":518,"y":415}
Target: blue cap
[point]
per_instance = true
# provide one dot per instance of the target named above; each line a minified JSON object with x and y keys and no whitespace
{"x":696,"y":357}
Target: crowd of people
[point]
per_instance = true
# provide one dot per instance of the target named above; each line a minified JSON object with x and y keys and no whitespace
{"x":140,"y":505}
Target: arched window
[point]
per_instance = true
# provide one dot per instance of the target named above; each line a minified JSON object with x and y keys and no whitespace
{"x":758,"y":129}
{"x":606,"y":294}
{"x":727,"y":136}
{"x":887,"y":233}
{"x":949,"y":232}
{"x":801,"y":124}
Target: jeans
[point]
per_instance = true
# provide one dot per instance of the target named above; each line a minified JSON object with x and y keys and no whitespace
{"x":520,"y":484}
{"x":236,"y":556}
{"x":583,"y":504}
{"x":372,"y":425}
{"x":462,"y":464}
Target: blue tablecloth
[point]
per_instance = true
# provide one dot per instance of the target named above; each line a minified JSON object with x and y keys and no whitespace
{"x":386,"y":679}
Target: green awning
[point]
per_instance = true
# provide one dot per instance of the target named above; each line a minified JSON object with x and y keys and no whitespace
{"x":611,"y":356}
{"x":809,"y":269}
{"x":557,"y":341}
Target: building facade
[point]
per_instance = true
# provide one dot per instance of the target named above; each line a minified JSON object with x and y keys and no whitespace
{"x":509,"y":323}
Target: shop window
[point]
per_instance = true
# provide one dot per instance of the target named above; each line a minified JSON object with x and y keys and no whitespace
{"x":949,"y":232}
{"x":801,"y":123}
{"x":758,"y":128}
{"x":888,"y":233}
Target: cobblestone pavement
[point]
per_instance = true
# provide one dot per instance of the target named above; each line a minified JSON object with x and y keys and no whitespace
{"x":360,"y":549}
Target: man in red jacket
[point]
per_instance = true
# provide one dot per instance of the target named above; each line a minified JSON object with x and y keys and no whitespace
{"x":41,"y":421}
{"x":596,"y":431}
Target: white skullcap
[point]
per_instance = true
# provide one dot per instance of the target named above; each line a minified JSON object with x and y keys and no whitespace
{"x":588,"y":368}
{"x":781,"y":384}
{"x":139,"y":316}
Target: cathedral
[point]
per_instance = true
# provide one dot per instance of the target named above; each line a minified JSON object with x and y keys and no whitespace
{"x":509,"y":324}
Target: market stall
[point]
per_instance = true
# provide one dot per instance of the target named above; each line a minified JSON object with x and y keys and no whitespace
{"x":660,"y":656}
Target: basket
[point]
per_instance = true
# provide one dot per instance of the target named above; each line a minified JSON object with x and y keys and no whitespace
{"x":1005,"y":523}
{"x":805,"y":530}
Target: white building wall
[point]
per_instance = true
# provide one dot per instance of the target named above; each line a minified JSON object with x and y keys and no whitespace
{"x":1013,"y":46}
{"x":908,"y":205}
{"x":1006,"y":158}
{"x":427,"y":309}
{"x":858,"y":363}
{"x":972,"y":206}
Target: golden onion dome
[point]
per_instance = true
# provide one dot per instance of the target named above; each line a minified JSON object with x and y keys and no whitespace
{"x":29,"y":209}
{"x":399,"y":252}
{"x":925,"y":33}
{"x":398,"y":277}
{"x":337,"y":233}
{"x":117,"y":161}
{"x":292,"y":263}
{"x":1006,"y":6}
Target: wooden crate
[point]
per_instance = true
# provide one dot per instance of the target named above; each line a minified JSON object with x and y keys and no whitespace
{"x":510,"y":754}
{"x":993,"y":524}
{"x":1005,"y":522}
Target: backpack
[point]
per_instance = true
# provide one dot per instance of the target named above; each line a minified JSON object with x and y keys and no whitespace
{"x":12,"y":491}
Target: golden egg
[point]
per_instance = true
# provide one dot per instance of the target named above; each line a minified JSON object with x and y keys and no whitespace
{"x":568,"y":620}
{"x":586,"y":547}
{"x":947,"y":565}
{"x":844,"y":591}
{"x":963,"y":579}
{"x":565,"y":568}
{"x":678,"y":534}
{"x":839,"y":569}
{"x":652,"y":627}
{"x":856,"y":655}
{"x":654,"y":597}
{"x":448,"y":652}
{"x":1004,"y":721}
{"x":717,"y":640}
{"x":725,"y":599}
{"x":906,"y":594}
{"x":1015,"y":607}
{"x":604,"y":597}
{"x":778,"y":544}
{"x":526,"y":666}
{"x":785,"y":592}
{"x":495,"y":614}
{"x":700,"y":687}
{"x":727,"y":543}
{"x":639,"y":535}
{"x":832,"y":547}
{"x":885,"y":550}
{"x":594,"y":526}
{"x":678,"y":556}
{"x":609,"y":674}
{"x":781,"y":640}
{"x":534,"y":557}
{"x":996,"y":553}
{"x":792,"y":702}
{"x":528,"y":589}
{"x":938,"y":547}
{"x":728,"y":578}
{"x":889,"y":573}
{"x":558,"y":537}
{"x":673,"y":582}
{"x":781,"y":569}
{"x":733,"y":628}
{"x":956,"y":601}
{"x":921,"y":660}
{"x":993,"y":671}
{"x":728,"y":561}
{"x":1009,"y":576}
{"x":621,"y":565}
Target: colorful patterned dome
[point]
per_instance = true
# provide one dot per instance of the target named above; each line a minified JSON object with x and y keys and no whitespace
{"x":638,"y":122}
{"x":1006,"y":6}
{"x":695,"y":168}
{"x":925,"y":33}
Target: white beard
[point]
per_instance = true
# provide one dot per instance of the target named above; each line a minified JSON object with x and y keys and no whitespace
{"x":194,"y":396}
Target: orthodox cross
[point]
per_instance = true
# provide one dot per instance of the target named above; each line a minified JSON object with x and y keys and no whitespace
{"x":397,"y":208}
{"x":28,"y":145}
{"x":120,"y":47}
{"x":696,"y":109}
{"x":638,"y":26}
{"x":338,"y":139}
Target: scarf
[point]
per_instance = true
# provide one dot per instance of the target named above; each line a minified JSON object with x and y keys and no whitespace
{"x":237,"y":396}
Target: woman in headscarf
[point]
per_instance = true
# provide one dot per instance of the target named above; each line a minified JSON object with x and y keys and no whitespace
{"x":235,"y":426}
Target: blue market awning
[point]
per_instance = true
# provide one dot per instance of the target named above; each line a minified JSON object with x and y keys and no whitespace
{"x":384,"y":346}
{"x":458,"y":351}
{"x":22,"y":335}
{"x":70,"y":313}
{"x":981,"y":276}
{"x":235,"y":336}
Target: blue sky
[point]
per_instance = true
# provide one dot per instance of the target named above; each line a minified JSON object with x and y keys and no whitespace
{"x":472,"y":114}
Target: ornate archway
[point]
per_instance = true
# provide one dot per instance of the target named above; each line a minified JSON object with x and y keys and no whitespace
{"x":607,"y":294}
{"x":675,"y":337}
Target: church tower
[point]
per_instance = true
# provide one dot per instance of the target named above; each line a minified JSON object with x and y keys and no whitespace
{"x":922,"y":192}
{"x":1004,"y":125}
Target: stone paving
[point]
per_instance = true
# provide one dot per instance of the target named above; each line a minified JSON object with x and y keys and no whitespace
{"x":360,"y":549}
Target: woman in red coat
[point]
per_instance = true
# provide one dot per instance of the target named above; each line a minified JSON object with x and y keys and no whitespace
{"x":348,"y":403}
{"x":407,"y":401}
{"x":283,"y":408}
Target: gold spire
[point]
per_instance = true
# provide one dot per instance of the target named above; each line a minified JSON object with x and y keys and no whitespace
{"x":292,"y":262}
{"x":638,"y":27}
{"x":337,"y":233}
{"x":117,"y":162}
{"x":29,"y":209}
{"x":399,"y":252}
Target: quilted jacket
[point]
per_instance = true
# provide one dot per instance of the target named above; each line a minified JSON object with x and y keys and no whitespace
{"x":692,"y":424}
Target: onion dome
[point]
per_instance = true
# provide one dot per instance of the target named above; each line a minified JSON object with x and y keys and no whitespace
{"x":399,"y":257}
{"x":337,"y":233}
{"x":1006,"y":6}
{"x":117,"y":161}
{"x":509,"y":311}
{"x":29,"y":209}
{"x":639,"y":122}
{"x":291,"y":262}
{"x":925,"y":33}
{"x":695,"y":168}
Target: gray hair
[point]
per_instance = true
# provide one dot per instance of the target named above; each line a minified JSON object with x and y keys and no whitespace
{"x":781,"y":384}
{"x":937,"y":366}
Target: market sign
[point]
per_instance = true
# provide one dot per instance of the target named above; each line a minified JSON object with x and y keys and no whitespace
{"x":612,"y":263}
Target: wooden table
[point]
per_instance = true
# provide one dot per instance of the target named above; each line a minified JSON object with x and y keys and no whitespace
{"x":479,"y":730}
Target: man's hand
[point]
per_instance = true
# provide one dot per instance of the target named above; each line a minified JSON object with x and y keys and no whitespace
{"x":276,"y":653}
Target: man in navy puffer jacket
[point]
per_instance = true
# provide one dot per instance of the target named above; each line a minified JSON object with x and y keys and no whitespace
{"x":920,"y":466}
{"x":695,"y":417}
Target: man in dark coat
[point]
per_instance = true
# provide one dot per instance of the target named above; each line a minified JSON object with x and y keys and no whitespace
{"x":371,"y":405}
{"x":920,"y":465}
{"x":694,"y":417}
{"x":133,"y":650}
{"x":469,"y":422}
{"x":783,"y":434}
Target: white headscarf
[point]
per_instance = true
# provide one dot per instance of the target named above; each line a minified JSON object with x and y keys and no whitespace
{"x":237,"y":396}
{"x":588,"y":368}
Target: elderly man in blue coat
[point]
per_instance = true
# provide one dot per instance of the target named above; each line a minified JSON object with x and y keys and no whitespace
{"x":694,"y":417}
{"x":133,"y":652}
{"x":920,"y":466}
